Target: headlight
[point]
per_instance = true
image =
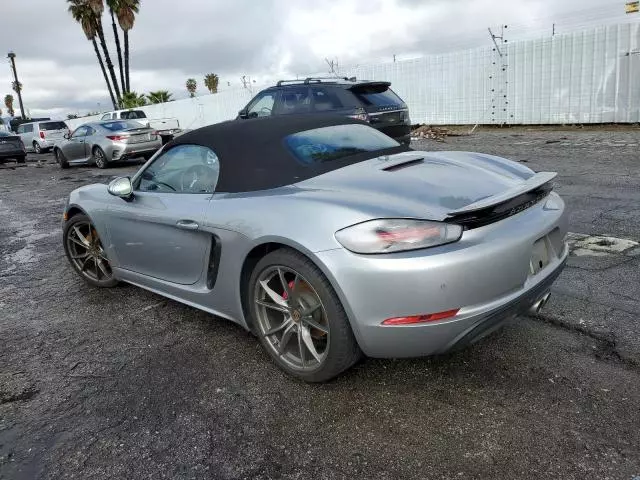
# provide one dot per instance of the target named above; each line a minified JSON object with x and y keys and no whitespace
{"x":396,"y":235}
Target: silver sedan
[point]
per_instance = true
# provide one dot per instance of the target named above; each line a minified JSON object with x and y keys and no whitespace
{"x":326,"y":238}
{"x":101,"y":143}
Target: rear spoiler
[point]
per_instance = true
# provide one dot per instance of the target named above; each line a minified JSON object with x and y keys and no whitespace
{"x":531,"y":183}
{"x":360,"y":86}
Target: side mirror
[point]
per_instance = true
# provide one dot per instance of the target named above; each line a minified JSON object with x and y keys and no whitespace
{"x":67,"y":135}
{"x":243,"y":113}
{"x":121,"y":187}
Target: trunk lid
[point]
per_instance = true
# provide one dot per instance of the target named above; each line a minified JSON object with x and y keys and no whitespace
{"x":386,"y":110}
{"x":433,"y":185}
{"x":11,"y":142}
{"x":53,"y":130}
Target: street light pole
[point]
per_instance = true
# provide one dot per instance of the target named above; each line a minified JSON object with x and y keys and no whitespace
{"x":17,"y":86}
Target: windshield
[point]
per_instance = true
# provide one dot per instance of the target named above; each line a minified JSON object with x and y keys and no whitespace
{"x":117,"y":126}
{"x":53,"y":126}
{"x":331,"y":143}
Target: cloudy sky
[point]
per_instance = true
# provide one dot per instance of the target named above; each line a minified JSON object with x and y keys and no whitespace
{"x":264,"y":39}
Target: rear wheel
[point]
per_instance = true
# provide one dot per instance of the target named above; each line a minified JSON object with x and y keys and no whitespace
{"x":60,"y":158}
{"x":99,"y":158}
{"x":85,"y":252}
{"x":299,"y":319}
{"x":37,"y":148}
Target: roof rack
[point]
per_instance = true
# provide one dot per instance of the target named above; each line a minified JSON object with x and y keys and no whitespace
{"x":309,"y":80}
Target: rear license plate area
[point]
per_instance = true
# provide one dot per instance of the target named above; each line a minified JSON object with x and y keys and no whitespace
{"x":540,"y":256}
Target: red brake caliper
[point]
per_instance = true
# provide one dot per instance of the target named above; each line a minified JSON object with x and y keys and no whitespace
{"x":285,"y":295}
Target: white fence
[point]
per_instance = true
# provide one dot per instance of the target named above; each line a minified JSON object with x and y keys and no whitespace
{"x":584,"y":77}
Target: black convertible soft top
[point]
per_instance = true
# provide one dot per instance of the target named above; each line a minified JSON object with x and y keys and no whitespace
{"x":253,"y":154}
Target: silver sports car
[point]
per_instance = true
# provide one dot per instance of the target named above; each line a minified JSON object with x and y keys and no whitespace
{"x":101,"y":143}
{"x":326,"y":238}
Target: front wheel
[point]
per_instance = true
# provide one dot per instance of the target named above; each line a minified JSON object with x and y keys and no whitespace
{"x":22,"y":159}
{"x":85,"y":252}
{"x":99,"y":158}
{"x":299,"y":318}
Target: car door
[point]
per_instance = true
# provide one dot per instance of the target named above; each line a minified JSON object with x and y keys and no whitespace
{"x":157,"y":233}
{"x":75,"y":148}
{"x":26,"y":134}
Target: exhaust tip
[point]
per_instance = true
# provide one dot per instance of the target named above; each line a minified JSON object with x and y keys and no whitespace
{"x":539,"y":304}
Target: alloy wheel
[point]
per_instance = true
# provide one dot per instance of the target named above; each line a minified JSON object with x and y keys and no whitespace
{"x":36,"y":147}
{"x":292,"y":318}
{"x":86,"y":252}
{"x":99,"y":158}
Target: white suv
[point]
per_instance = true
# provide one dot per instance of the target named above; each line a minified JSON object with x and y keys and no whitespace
{"x":42,"y":135}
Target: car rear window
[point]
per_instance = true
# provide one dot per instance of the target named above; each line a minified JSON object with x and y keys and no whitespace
{"x":377,"y":96}
{"x":53,"y":126}
{"x":132,"y":115}
{"x":6,"y":134}
{"x":332,"y":143}
{"x":116,"y":126}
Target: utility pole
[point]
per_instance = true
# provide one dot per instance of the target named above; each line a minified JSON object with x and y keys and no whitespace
{"x":17,"y":86}
{"x":500,"y":110}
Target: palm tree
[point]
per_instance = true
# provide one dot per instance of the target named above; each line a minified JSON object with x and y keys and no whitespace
{"x":211,"y":82}
{"x":192,"y":86}
{"x":126,"y":11}
{"x":159,"y":96}
{"x":132,"y":100}
{"x":114,"y":5}
{"x":8,"y":102}
{"x":83,"y":13}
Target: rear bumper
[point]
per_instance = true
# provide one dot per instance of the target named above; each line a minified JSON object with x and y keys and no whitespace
{"x":486,"y":275}
{"x":124,"y":151}
{"x":12,"y":153}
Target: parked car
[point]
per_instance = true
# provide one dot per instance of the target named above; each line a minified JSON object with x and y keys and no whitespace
{"x":167,"y":128}
{"x":373,"y":102}
{"x":326,"y":238}
{"x":11,"y":146}
{"x":42,"y":135}
{"x":102,"y":143}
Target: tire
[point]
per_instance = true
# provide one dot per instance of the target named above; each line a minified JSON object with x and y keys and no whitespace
{"x":60,"y":158}
{"x":22,"y":159}
{"x":93,"y":276}
{"x":99,"y":158}
{"x":341,"y":348}
{"x":37,"y":148}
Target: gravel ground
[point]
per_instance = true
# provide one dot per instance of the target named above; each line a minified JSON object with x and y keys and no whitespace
{"x":126,"y":384}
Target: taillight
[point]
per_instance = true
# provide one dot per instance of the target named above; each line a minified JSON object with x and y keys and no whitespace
{"x":360,"y":114}
{"x":41,"y":134}
{"x":117,"y":138}
{"x":413,"y":319}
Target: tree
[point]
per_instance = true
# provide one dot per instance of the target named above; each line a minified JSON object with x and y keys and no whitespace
{"x":192,"y":86}
{"x":132,"y":100}
{"x":8,"y":102}
{"x":211,"y":82}
{"x":113,"y":7}
{"x":85,"y":15}
{"x":126,"y":11}
{"x":159,"y":96}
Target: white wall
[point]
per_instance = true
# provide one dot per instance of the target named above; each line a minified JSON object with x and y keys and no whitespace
{"x":584,"y":77}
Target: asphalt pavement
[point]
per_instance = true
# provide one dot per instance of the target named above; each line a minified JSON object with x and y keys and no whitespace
{"x":123,"y":383}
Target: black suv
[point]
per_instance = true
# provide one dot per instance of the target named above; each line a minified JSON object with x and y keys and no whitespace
{"x":371,"y":101}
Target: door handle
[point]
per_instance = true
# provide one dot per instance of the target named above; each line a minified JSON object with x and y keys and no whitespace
{"x":187,"y":224}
